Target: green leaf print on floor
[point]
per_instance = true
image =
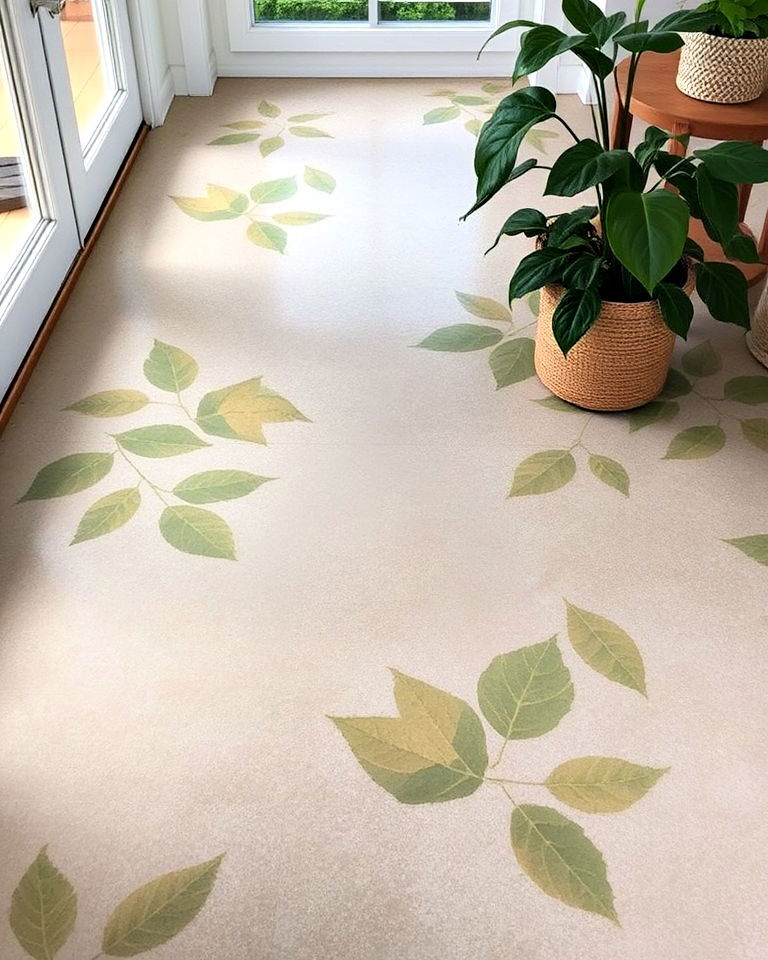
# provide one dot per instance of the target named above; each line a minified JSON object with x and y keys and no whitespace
{"x":236,"y":412}
{"x":435,"y":751}
{"x":270,"y":128}
{"x":264,"y":228}
{"x":44,"y":910}
{"x":473,"y":109}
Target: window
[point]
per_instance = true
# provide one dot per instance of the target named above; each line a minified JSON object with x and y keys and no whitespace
{"x":370,"y":11}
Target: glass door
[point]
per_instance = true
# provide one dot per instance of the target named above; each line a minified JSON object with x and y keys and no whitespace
{"x":93,"y":77}
{"x":38,"y":233}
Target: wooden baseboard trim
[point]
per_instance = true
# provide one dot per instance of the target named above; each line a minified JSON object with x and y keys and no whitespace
{"x":35,"y":351}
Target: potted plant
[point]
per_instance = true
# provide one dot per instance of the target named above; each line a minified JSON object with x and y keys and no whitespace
{"x":616,"y":275}
{"x":725,"y":57}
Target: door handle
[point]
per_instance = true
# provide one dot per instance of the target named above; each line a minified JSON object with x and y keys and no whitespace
{"x":54,"y":7}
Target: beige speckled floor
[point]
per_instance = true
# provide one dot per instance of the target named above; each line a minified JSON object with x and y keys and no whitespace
{"x":160,"y":707}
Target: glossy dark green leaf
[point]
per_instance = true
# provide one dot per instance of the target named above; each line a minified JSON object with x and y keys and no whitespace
{"x":686,"y":21}
{"x":526,"y":221}
{"x":574,"y":315}
{"x":720,"y":202}
{"x":647,"y":232}
{"x":598,"y":62}
{"x":581,"y":273}
{"x":537,"y":270}
{"x":656,"y":42}
{"x":509,"y":25}
{"x":583,"y":14}
{"x":676,"y":308}
{"x":742,"y":247}
{"x":568,"y":224}
{"x":541,"y":44}
{"x":736,"y":161}
{"x":583,"y":165}
{"x":723,"y":288}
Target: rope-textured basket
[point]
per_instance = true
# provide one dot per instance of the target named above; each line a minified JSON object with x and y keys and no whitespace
{"x":757,"y":338}
{"x":621,"y":362}
{"x":722,"y":69}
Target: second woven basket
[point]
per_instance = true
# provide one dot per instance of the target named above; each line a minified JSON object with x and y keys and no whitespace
{"x":722,"y":69}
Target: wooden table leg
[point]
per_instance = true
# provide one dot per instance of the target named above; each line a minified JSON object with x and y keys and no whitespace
{"x":675,"y":146}
{"x":762,"y":247}
{"x":615,"y":127}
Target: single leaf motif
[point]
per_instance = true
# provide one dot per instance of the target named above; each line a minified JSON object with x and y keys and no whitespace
{"x":160,"y":440}
{"x":197,"y":531}
{"x":601,"y":784}
{"x":270,"y":145}
{"x":169,"y":368}
{"x":108,"y":514}
{"x":244,"y":124}
{"x":702,"y":360}
{"x":755,"y":547}
{"x":653,"y":412}
{"x":527,"y":692}
{"x":70,"y":474}
{"x":271,"y":191}
{"x":696,"y":443}
{"x":560,"y":859}
{"x":43,"y":909}
{"x":267,"y":109}
{"x":605,"y":647}
{"x":555,"y":403}
{"x":749,"y":390}
{"x":304,"y":117}
{"x":302,"y":131}
{"x":543,"y":472}
{"x":433,"y":752}
{"x":319,"y":180}
{"x":159,"y":910}
{"x":512,"y":361}
{"x":484,"y":307}
{"x":440,"y":115}
{"x":299,"y":218}
{"x":473,"y":126}
{"x":267,"y":235}
{"x":461,"y":337}
{"x":610,"y":472}
{"x":219,"y":203}
{"x":756,"y":431}
{"x":212,"y":486}
{"x":676,"y":385}
{"x":240,"y":411}
{"x":230,"y":139}
{"x":110,"y":403}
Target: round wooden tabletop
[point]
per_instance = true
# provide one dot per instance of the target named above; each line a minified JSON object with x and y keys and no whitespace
{"x":657,"y":100}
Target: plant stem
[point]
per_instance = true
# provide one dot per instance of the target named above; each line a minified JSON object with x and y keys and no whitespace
{"x":516,"y":783}
{"x":157,"y":490}
{"x":568,"y":127}
{"x":577,"y":441}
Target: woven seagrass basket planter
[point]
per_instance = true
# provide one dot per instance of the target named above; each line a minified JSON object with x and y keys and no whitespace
{"x":620,"y":363}
{"x":757,"y":337}
{"x":722,"y":69}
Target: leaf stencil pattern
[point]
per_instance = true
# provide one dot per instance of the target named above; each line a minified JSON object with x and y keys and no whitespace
{"x":559,"y":857}
{"x":235,"y":412}
{"x":601,"y":784}
{"x":43,"y":909}
{"x":543,"y":472}
{"x":526,"y":693}
{"x":435,"y":751}
{"x":756,"y":547}
{"x":159,"y":910}
{"x":267,"y":130}
{"x":606,"y":648}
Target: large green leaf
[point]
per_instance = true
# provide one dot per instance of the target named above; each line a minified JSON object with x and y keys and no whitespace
{"x":720,"y":202}
{"x":160,"y":440}
{"x":574,"y":223}
{"x":211,"y":486}
{"x":272,"y":191}
{"x":526,"y":693}
{"x":605,"y":647}
{"x":696,"y":443}
{"x":647,"y":232}
{"x":319,"y":180}
{"x":110,"y":403}
{"x":755,"y":547}
{"x":543,"y":472}
{"x":433,"y":752}
{"x":583,"y":165}
{"x":609,"y":472}
{"x":755,"y":430}
{"x":539,"y":268}
{"x":267,"y":235}
{"x":219,"y":203}
{"x":500,"y":138}
{"x":461,"y":337}
{"x":108,"y":514}
{"x":676,"y":308}
{"x":601,"y":784}
{"x":170,"y":368}
{"x":654,"y":41}
{"x":686,"y":21}
{"x":197,"y":531}
{"x":736,"y":161}
{"x":43,"y":909}
{"x":750,"y":390}
{"x":512,"y":361}
{"x":574,"y":315}
{"x":241,"y":410}
{"x":702,"y":360}
{"x":541,"y":44}
{"x":70,"y":474}
{"x":584,"y":15}
{"x":484,"y":307}
{"x":159,"y":910}
{"x":509,"y":25}
{"x":560,"y":859}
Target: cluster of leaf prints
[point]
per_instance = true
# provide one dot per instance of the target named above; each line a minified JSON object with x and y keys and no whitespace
{"x":511,"y":361}
{"x":473,"y":109}
{"x":270,"y":129}
{"x":235,"y":412}
{"x":264,"y":229}
{"x":436,"y":751}
{"x":44,"y":910}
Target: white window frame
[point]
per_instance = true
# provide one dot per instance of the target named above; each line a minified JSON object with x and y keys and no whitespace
{"x":372,"y":36}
